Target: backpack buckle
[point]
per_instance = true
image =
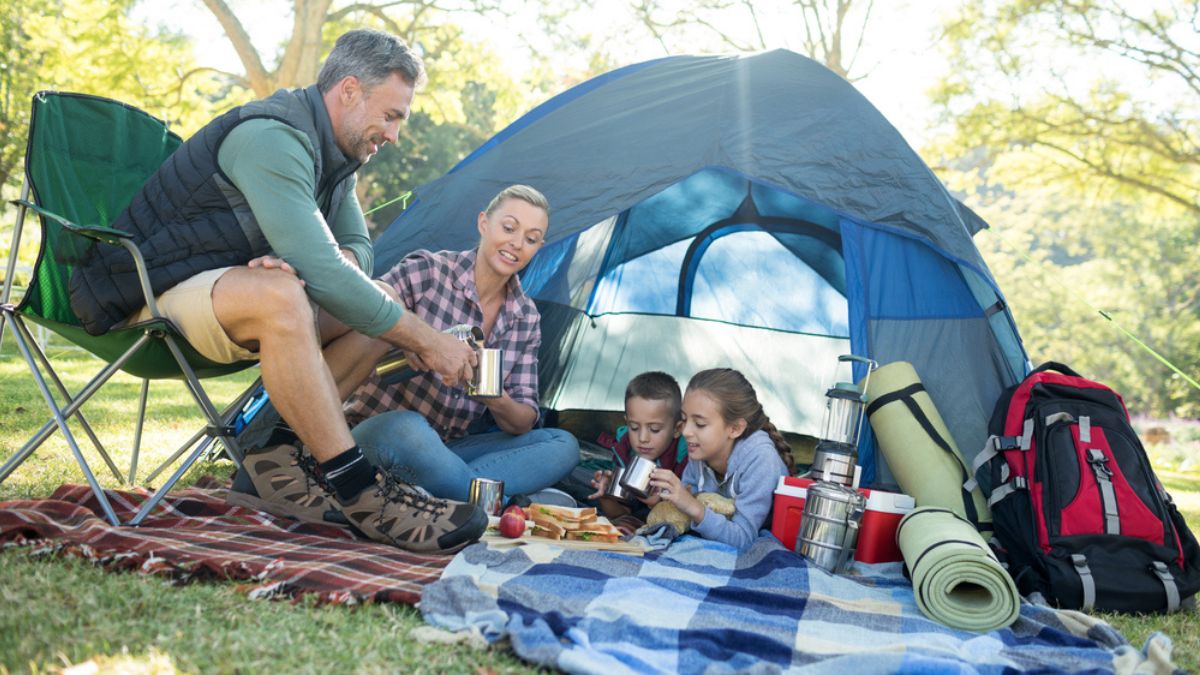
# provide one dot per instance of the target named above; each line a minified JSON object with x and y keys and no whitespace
{"x":1099,"y":462}
{"x":1008,"y":443}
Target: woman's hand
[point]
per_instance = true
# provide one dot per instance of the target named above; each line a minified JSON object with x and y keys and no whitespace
{"x":672,"y":490}
{"x":600,"y":481}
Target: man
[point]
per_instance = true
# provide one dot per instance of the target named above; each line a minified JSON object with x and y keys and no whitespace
{"x":249,"y":224}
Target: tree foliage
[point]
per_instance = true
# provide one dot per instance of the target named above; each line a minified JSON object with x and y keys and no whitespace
{"x":468,"y":97}
{"x":1073,"y":126}
{"x":92,"y":46}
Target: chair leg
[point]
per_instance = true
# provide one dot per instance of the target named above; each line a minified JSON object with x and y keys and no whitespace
{"x":228,"y":417}
{"x":71,"y":408}
{"x":87,"y":428}
{"x":218,"y":429}
{"x":137,"y":432}
{"x":61,"y":421}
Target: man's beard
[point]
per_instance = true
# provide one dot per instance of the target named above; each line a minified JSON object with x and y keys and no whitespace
{"x":359,"y":147}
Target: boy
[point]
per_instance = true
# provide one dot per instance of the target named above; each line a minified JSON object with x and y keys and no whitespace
{"x":653,"y":419}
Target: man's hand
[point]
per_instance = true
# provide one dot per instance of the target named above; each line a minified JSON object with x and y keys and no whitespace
{"x":270,"y":262}
{"x":449,"y":357}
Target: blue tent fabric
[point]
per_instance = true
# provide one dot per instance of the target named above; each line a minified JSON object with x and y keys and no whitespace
{"x":762,"y":202}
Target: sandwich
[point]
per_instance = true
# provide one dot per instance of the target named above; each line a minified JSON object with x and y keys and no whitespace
{"x":547,"y":528}
{"x":596,"y":531}
{"x":555,"y":522}
{"x":566,"y":516}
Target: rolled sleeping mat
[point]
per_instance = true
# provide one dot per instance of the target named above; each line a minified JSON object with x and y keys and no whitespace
{"x":956,"y":578}
{"x":917,"y":445}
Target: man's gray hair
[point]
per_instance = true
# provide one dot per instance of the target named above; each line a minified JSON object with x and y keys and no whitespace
{"x":524,"y":193}
{"x":371,"y":56}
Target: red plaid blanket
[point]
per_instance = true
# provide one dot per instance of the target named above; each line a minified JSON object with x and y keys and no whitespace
{"x":193,"y":534}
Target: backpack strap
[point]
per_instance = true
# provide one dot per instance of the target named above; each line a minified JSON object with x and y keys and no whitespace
{"x":1164,"y":575}
{"x":1018,"y":483}
{"x":1085,"y":580}
{"x":1108,"y":496}
{"x":1022,"y":442}
{"x":1058,"y":417}
{"x":992,"y":447}
{"x":1057,"y":367}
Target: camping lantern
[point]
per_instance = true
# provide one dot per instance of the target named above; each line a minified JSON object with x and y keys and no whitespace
{"x":837,"y":450}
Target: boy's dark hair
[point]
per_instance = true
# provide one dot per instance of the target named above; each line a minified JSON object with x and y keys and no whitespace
{"x":657,"y":386}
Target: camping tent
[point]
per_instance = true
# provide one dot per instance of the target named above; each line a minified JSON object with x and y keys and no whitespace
{"x":755,"y":212}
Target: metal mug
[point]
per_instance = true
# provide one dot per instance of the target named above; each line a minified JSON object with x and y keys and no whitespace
{"x":615,"y":489}
{"x":394,"y":366}
{"x":829,"y":527}
{"x":485,"y":383}
{"x":636,"y":476}
{"x":487,"y":494}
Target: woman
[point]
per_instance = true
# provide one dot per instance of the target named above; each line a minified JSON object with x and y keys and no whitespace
{"x":435,"y":436}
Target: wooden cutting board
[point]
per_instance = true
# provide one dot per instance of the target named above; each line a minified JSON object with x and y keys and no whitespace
{"x":496,"y":540}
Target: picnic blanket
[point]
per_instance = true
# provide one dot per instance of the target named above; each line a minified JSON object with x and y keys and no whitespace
{"x":193,"y":534}
{"x":700,"y":606}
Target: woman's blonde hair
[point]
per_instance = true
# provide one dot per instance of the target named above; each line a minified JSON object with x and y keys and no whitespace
{"x":522,"y":192}
{"x":737,"y":399}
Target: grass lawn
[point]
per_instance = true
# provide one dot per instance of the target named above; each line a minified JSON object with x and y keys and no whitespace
{"x":61,"y":612}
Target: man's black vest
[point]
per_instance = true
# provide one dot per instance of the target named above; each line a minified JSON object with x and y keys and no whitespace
{"x":189,"y":217}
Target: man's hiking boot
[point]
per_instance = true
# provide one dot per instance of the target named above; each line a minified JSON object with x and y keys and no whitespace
{"x":410,"y":518}
{"x":285,"y":488}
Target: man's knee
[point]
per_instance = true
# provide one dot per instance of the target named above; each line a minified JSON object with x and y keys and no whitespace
{"x":266,"y":301}
{"x":283,"y":294}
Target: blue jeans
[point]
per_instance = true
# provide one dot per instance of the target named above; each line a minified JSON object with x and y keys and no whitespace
{"x":402,"y":443}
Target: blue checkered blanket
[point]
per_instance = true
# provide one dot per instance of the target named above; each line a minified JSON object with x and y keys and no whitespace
{"x":700,"y":606}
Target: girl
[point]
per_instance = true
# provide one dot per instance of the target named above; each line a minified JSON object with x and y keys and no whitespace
{"x":733,"y":450}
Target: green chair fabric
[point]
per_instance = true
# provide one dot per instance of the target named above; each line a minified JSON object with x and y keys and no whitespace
{"x":85,"y":160}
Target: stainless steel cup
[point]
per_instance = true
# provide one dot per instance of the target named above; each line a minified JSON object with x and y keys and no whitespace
{"x":636,"y":476}
{"x":614,"y":488}
{"x":487,"y":494}
{"x":486,"y":381}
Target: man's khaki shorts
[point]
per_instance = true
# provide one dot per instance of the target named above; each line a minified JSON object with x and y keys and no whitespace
{"x":189,"y":306}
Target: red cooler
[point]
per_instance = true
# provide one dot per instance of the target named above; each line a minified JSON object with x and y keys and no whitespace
{"x":877,"y":533}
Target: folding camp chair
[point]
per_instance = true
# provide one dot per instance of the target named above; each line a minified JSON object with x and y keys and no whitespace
{"x":86,"y":158}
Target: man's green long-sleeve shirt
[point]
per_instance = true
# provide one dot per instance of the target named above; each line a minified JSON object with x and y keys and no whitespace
{"x":274,"y":166}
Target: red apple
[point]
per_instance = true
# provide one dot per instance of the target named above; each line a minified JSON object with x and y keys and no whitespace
{"x":517,"y":510}
{"x":512,"y":525}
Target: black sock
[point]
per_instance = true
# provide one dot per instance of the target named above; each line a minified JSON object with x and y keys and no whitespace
{"x":349,"y":473}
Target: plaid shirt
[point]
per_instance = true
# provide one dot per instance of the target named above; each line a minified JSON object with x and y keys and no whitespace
{"x":440,"y":288}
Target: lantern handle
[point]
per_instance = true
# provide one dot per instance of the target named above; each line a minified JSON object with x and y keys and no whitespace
{"x":871,"y":365}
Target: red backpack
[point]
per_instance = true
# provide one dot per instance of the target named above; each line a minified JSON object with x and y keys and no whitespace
{"x":1079,"y":515}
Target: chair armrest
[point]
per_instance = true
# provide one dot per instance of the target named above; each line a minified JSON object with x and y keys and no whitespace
{"x":105,"y":235}
{"x":97,"y":232}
